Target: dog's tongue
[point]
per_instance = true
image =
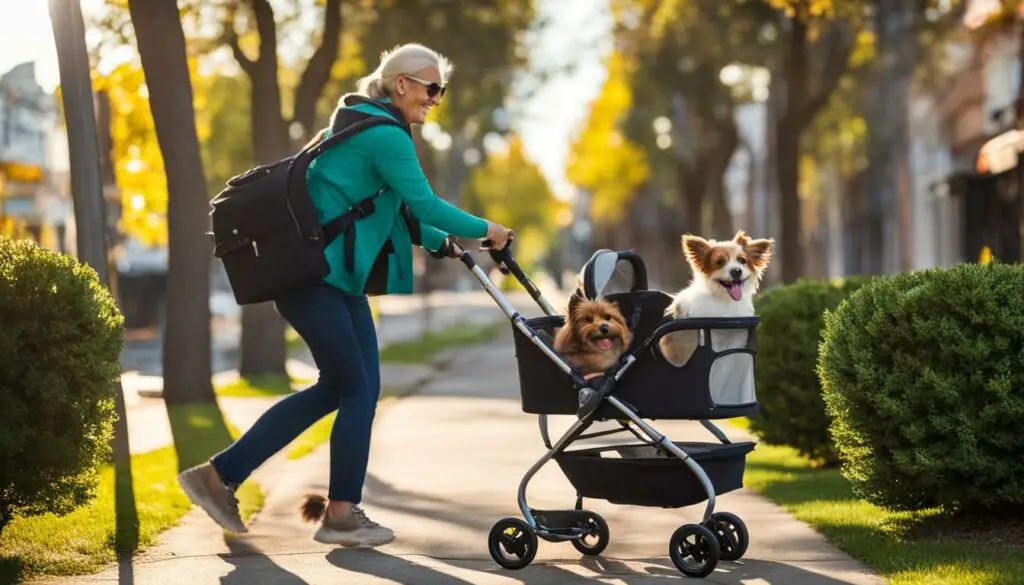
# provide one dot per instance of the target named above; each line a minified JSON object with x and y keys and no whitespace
{"x":735,"y":290}
{"x":604,"y":343}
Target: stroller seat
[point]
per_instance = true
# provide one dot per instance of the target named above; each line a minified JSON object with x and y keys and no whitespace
{"x":653,"y":386}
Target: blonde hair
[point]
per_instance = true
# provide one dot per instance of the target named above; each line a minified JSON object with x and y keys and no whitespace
{"x":403,"y":59}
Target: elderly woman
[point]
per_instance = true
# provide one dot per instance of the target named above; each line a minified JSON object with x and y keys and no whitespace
{"x":333,"y":317}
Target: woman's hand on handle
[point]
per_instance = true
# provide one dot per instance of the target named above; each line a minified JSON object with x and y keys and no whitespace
{"x":497,"y":236}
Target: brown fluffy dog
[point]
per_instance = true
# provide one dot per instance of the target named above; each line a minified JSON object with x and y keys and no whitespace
{"x":594,"y":337}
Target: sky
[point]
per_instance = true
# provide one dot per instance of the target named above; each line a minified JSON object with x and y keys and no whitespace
{"x":546,"y":120}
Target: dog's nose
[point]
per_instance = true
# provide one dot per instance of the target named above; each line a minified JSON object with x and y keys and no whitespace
{"x":736,"y":273}
{"x":604,"y":329}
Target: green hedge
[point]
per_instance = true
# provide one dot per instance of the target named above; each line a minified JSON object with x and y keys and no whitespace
{"x":61,"y":336}
{"x":792,"y":410}
{"x":923,"y":375}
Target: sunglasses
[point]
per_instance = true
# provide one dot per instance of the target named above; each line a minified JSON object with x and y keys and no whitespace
{"x":433,"y":88}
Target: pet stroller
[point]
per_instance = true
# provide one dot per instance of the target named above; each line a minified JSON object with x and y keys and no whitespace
{"x":643,"y":385}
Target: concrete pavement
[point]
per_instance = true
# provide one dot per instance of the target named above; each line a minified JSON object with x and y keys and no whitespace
{"x":445,"y":465}
{"x":400,"y":320}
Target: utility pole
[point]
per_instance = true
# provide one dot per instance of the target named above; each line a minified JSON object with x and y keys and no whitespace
{"x":90,"y":217}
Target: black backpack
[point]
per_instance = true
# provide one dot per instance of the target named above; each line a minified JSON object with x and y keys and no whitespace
{"x":265,"y":227}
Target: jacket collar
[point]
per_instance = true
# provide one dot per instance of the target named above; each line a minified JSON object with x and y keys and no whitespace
{"x":385,"y":104}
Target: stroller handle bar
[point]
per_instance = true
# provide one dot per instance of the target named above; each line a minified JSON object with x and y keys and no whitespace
{"x":506,"y":263}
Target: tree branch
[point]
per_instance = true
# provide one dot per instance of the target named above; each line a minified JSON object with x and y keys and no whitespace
{"x":267,"y":28}
{"x":318,"y":70}
{"x":836,"y":62}
{"x":231,"y":38}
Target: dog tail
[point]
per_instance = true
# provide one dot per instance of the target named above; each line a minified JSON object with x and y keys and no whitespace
{"x":313,"y":508}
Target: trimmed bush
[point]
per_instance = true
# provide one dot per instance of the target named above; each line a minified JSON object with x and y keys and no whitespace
{"x":792,"y":410}
{"x":61,"y":336}
{"x":923,"y":375}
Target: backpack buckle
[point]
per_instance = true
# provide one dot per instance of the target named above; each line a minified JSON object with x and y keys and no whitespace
{"x":365,"y":208}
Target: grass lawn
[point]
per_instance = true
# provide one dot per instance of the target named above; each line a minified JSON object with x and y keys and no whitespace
{"x":259,"y":387}
{"x":425,"y":348}
{"x":882,"y":539}
{"x":86,"y":540}
{"x":311,"y":438}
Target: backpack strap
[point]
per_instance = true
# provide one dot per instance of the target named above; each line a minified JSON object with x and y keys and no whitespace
{"x":347,"y":123}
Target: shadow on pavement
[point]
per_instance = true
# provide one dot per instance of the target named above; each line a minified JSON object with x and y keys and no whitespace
{"x":125,"y":571}
{"x":257,"y":567}
{"x":385,"y":566}
{"x":382,"y":494}
{"x":643,"y":571}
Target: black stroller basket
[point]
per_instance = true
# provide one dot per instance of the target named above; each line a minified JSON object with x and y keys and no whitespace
{"x":714,"y":383}
{"x":653,"y":387}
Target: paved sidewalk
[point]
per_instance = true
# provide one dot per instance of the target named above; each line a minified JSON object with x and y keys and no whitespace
{"x":401,"y":320}
{"x":445,"y":466}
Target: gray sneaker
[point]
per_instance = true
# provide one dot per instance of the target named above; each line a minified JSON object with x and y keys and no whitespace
{"x":205,"y":488}
{"x":353,"y":529}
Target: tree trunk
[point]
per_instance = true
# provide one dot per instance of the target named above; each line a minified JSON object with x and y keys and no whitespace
{"x":692,"y":185}
{"x":727,"y":142}
{"x":186,"y":351}
{"x":1019,"y":110}
{"x":886,"y":236}
{"x":90,"y":219}
{"x":721,"y":219}
{"x":787,"y":153}
{"x":317,"y":73}
{"x":801,"y":105}
{"x":263,"y":347}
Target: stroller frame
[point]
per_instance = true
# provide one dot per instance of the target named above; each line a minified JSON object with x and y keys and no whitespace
{"x":694,"y":548}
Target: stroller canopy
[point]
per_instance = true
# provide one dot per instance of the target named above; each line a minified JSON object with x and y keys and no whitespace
{"x":609,"y":272}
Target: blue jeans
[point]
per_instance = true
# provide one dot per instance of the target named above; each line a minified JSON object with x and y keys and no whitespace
{"x":339,"y":331}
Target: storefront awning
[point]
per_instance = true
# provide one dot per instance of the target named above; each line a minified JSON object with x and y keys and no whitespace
{"x":1001,"y":153}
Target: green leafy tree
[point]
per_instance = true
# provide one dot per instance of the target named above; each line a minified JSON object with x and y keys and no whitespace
{"x":681,"y":50}
{"x":602,"y":159}
{"x":279,"y":120}
{"x":816,"y":43}
{"x":510,"y":190}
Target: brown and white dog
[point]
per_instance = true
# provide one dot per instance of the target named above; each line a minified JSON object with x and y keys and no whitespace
{"x":594,"y":337}
{"x":726,"y":277}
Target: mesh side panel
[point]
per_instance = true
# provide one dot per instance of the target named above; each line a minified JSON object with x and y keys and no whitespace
{"x":731,"y":379}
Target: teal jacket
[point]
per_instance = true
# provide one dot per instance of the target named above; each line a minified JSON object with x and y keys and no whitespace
{"x":357,"y":168}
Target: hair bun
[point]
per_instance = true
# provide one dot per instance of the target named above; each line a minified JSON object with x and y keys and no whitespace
{"x":372,"y":87}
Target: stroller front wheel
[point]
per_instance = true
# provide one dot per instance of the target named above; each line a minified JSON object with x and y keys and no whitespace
{"x":596,"y":540}
{"x":694,"y":550}
{"x":733,"y":538}
{"x":512,"y":543}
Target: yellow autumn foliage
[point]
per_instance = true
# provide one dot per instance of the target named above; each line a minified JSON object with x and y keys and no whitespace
{"x":138,"y":162}
{"x":511,"y":190}
{"x":602,"y":160}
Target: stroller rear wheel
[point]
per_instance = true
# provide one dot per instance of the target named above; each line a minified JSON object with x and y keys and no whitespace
{"x":733,"y":538}
{"x":694,"y":550}
{"x":512,"y":543}
{"x":596,"y":540}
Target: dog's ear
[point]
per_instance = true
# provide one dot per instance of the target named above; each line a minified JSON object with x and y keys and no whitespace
{"x":574,"y":303}
{"x":760,"y":252}
{"x":741,"y":238}
{"x":696,"y":249}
